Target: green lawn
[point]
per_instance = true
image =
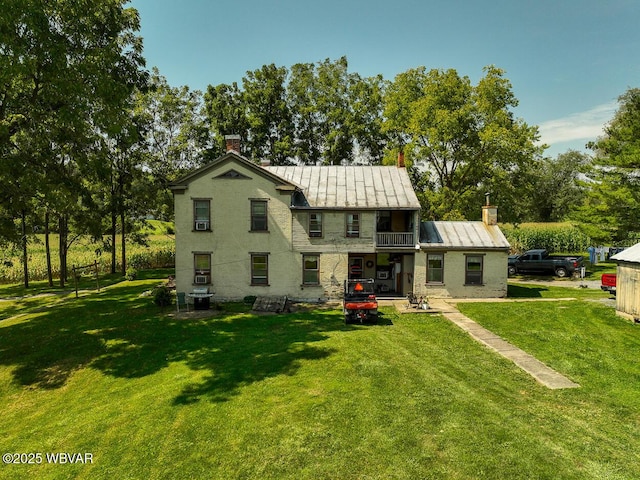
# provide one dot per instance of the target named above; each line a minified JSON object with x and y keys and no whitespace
{"x":303,"y":395}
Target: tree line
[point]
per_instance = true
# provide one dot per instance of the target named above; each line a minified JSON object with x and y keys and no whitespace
{"x":90,"y":138}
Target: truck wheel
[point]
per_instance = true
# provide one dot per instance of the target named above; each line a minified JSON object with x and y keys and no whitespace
{"x":561,"y":272}
{"x":511,"y":271}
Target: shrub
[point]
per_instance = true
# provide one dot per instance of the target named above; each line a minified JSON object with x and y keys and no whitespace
{"x":162,"y":296}
{"x":131,"y":273}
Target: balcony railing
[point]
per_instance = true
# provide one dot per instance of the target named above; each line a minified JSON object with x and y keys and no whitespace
{"x":395,"y":239}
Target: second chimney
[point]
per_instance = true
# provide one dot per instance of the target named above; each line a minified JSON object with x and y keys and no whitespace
{"x":400,"y":159}
{"x":233,"y":143}
{"x":489,"y":212}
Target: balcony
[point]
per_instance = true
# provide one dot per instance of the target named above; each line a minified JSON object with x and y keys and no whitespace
{"x":395,"y":239}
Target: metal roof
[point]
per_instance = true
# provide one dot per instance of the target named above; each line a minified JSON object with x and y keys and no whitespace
{"x":345,"y":187}
{"x":631,"y":254}
{"x":462,"y":235}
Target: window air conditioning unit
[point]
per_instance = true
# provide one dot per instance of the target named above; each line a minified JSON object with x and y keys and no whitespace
{"x":202,"y":279}
{"x":202,"y":225}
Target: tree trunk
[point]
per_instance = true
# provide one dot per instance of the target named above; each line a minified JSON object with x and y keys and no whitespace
{"x":63,"y":228}
{"x":47,"y":248}
{"x":25,"y":260}
{"x":124,"y":252}
{"x":114,"y":235}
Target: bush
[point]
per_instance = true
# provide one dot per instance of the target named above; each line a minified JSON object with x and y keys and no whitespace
{"x":131,"y":273}
{"x":162,"y":296}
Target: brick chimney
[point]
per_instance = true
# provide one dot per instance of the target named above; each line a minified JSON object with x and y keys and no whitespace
{"x":400,"y":159}
{"x":489,"y":212}
{"x":233,"y":143}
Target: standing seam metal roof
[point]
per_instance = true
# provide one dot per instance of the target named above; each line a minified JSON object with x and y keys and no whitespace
{"x":462,"y":235}
{"x":357,"y":187}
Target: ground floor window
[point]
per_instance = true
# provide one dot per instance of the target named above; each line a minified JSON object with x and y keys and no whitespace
{"x":473,"y":269}
{"x":259,"y":269}
{"x":435,"y":267}
{"x":311,"y":269}
{"x":202,"y":268}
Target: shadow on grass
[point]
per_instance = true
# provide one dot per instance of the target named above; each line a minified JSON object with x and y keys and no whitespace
{"x":529,"y":291}
{"x":121,"y":333}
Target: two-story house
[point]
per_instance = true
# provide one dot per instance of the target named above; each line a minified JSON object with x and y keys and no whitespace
{"x":244,"y":229}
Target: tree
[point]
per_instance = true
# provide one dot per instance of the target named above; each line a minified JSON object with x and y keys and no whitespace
{"x":174,"y":137}
{"x":612,"y":208}
{"x":465,"y":136}
{"x":335,"y":112}
{"x":268,"y":115}
{"x":65,"y":71}
{"x":225,"y":113}
{"x":558,"y":186}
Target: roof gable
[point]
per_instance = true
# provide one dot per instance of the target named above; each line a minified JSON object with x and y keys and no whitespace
{"x":231,"y":158}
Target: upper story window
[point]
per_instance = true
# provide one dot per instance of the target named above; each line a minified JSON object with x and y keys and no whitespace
{"x":435,"y":267}
{"x":473,"y":269}
{"x":353,"y":225}
{"x":259,"y":216}
{"x":315,"y":224}
{"x":202,"y":214}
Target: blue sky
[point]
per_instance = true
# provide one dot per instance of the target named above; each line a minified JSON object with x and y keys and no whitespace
{"x":567,"y":60}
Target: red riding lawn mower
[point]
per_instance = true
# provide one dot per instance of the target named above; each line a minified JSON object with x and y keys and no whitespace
{"x":360,"y":303}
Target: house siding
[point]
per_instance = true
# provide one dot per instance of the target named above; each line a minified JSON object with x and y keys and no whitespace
{"x":333,"y":232}
{"x":628,"y":290}
{"x":494,"y":275}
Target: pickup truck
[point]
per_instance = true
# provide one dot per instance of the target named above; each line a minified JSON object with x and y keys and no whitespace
{"x":540,"y":262}
{"x":608,"y":283}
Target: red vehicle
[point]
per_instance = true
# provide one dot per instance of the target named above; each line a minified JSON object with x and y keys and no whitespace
{"x":608,"y":283}
{"x":360,"y":303}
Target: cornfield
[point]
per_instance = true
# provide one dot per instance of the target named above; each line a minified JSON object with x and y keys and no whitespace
{"x":160,"y":253}
{"x":554,"y":237}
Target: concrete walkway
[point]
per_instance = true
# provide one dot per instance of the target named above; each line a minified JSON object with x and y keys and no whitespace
{"x":538,"y":370}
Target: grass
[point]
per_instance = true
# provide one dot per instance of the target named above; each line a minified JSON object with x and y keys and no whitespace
{"x":303,"y":395}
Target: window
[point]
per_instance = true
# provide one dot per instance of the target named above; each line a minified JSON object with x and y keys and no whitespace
{"x":473,"y":270}
{"x":435,"y":270}
{"x":353,"y":224}
{"x":259,"y":269}
{"x":311,"y":269}
{"x":259,"y":216}
{"x":202,"y":268}
{"x":315,"y":224}
{"x":201,"y":215}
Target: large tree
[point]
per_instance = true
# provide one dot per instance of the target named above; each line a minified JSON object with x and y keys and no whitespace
{"x":558,"y":186}
{"x":465,"y":137}
{"x":268,"y":115}
{"x":612,"y":209}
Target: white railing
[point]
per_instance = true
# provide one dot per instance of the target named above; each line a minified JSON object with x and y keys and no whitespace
{"x":395,"y":239}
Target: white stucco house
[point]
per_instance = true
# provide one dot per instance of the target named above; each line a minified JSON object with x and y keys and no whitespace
{"x":243,"y":229}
